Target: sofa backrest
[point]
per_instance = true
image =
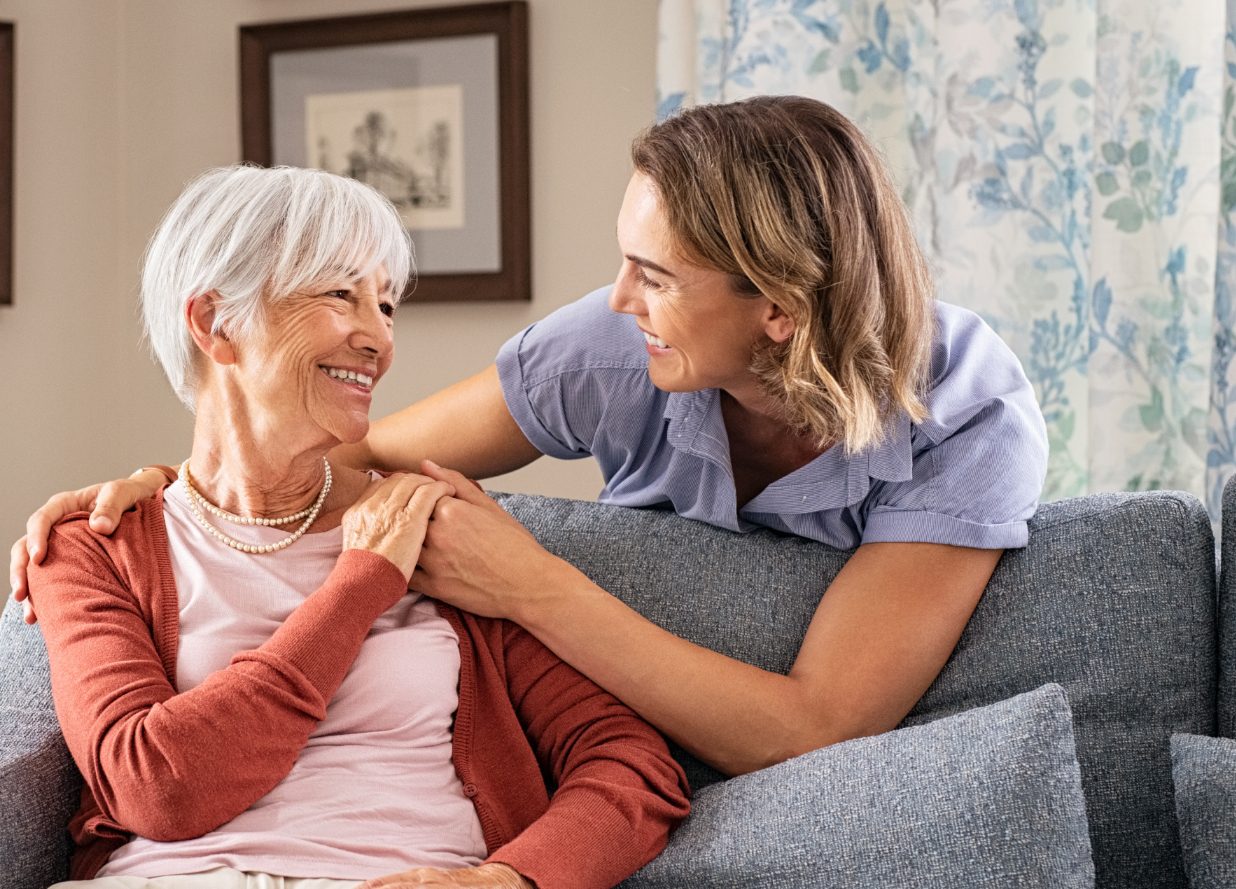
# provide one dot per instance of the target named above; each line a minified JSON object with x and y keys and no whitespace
{"x":1114,"y":599}
{"x":39,"y":785}
{"x":1227,"y":613}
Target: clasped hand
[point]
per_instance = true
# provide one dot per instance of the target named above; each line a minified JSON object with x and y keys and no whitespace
{"x":485,"y":876}
{"x":477,"y":557}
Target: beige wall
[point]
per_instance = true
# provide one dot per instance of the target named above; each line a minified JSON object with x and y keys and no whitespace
{"x":120,"y":101}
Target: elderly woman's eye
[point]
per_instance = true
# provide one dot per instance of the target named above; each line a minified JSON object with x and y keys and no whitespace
{"x":388,"y":309}
{"x":341,"y":294}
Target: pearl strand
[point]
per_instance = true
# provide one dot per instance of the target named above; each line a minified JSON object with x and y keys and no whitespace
{"x":244,"y":519}
{"x":310,"y":515}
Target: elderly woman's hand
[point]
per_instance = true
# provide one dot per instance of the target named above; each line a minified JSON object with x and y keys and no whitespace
{"x":478,"y":558}
{"x":391,"y":518}
{"x":487,"y":876}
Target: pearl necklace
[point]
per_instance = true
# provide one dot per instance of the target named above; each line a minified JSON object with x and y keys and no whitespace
{"x":197,"y":502}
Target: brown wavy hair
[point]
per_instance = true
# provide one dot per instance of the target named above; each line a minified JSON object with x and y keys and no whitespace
{"x":790,"y":199}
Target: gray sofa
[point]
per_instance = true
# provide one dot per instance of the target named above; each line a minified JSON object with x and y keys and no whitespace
{"x":1042,"y":756}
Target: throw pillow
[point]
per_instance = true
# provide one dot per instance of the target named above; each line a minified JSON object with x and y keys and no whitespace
{"x":1204,"y":771}
{"x":991,"y":797}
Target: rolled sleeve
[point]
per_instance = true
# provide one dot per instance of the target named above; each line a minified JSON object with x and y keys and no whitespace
{"x":901,"y":526}
{"x":518,"y":394}
{"x":976,"y":487}
{"x":569,"y":373}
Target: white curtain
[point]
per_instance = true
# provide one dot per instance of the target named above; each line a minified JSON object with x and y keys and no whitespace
{"x":1071,"y":170}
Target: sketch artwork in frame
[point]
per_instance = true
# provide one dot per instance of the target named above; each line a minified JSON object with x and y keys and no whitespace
{"x":428,"y":106}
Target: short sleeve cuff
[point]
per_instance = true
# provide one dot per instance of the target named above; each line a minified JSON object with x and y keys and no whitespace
{"x":518,"y":402}
{"x":906,"y":526}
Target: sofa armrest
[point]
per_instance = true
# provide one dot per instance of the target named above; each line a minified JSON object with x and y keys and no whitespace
{"x":39,"y":785}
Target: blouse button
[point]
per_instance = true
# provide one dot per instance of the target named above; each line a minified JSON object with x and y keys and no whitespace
{"x":470,"y":790}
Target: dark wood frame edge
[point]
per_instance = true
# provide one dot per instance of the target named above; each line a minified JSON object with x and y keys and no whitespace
{"x":8,"y":77}
{"x":508,"y":21}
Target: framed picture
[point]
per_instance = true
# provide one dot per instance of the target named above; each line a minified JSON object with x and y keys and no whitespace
{"x":429,"y":106}
{"x":6,"y":163}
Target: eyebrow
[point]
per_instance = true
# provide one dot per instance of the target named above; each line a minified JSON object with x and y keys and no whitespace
{"x":649,"y":264}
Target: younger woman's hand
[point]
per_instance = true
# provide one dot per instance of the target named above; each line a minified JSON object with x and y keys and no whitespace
{"x":479,"y":558}
{"x":105,"y":503}
{"x":391,"y":517}
{"x":486,"y":876}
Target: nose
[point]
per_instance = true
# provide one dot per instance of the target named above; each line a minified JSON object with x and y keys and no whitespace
{"x":626,"y":297}
{"x":373,"y":333}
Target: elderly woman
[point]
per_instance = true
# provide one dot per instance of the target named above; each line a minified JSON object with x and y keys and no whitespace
{"x":241,"y":674}
{"x":771,"y":355}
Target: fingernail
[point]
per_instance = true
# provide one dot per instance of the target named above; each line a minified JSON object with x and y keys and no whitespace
{"x":433,"y":464}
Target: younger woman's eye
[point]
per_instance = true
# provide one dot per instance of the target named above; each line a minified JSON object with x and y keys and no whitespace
{"x":645,"y":280}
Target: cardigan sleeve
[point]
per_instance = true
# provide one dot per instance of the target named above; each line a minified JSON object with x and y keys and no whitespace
{"x":619,"y":792}
{"x":167,"y":765}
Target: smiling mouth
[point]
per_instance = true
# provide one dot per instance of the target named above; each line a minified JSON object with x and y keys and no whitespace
{"x":360,"y":380}
{"x":655,"y":340}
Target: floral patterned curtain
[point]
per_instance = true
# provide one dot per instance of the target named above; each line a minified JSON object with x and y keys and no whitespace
{"x":1070,"y":166}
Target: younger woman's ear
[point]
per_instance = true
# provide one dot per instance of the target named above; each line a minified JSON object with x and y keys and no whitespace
{"x":200,"y":316}
{"x":778,"y":326}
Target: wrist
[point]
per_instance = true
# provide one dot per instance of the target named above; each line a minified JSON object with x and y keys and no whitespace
{"x":552,"y":581}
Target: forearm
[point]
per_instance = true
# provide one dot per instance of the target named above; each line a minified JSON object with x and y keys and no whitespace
{"x":731,"y":715}
{"x":466,"y":427}
{"x":619,"y":792}
{"x":168,"y":765}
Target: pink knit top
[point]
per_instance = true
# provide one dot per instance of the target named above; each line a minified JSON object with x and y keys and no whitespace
{"x":373,"y":791}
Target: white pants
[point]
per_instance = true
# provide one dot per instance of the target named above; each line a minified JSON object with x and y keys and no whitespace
{"x":221,"y":878}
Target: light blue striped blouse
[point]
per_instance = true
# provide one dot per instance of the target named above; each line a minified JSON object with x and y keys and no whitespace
{"x":577,"y":385}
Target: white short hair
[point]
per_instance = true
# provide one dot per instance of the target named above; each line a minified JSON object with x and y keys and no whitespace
{"x":254,"y":235}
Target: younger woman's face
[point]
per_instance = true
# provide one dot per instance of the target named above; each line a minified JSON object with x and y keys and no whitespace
{"x":699,"y":333}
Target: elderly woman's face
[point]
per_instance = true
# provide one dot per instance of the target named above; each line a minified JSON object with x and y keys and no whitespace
{"x":313,"y":367}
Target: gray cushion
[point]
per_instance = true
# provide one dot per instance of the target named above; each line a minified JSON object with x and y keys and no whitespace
{"x":989,"y":797}
{"x":1204,"y":770}
{"x":1113,"y":599}
{"x":1227,"y":614}
{"x":39,"y":785}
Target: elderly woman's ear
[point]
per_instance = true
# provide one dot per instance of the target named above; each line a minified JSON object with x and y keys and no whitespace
{"x":200,"y":316}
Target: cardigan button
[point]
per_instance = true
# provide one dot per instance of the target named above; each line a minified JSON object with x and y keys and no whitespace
{"x":470,"y":790}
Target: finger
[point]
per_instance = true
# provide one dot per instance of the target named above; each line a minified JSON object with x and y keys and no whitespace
{"x":378,"y":492}
{"x":27,"y":612}
{"x":395,"y":881}
{"x":419,"y":582}
{"x":19,"y":558}
{"x":38,"y":528}
{"x":466,"y":489}
{"x":426,"y":498}
{"x":112,"y":500}
{"x":397,"y":490}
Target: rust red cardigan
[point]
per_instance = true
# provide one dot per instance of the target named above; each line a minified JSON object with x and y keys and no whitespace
{"x":170,"y":766}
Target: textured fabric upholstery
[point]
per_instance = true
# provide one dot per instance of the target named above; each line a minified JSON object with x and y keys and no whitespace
{"x":1204,"y":771}
{"x":39,"y":784}
{"x":1113,"y":599}
{"x":1227,"y":614}
{"x":987,"y":798}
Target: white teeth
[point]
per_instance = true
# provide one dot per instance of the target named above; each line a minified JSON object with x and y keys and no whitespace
{"x":656,"y":341}
{"x":349,"y":376}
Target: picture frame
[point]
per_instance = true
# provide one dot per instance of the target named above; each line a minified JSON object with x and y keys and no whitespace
{"x":7,"y":123}
{"x":428,"y":105}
